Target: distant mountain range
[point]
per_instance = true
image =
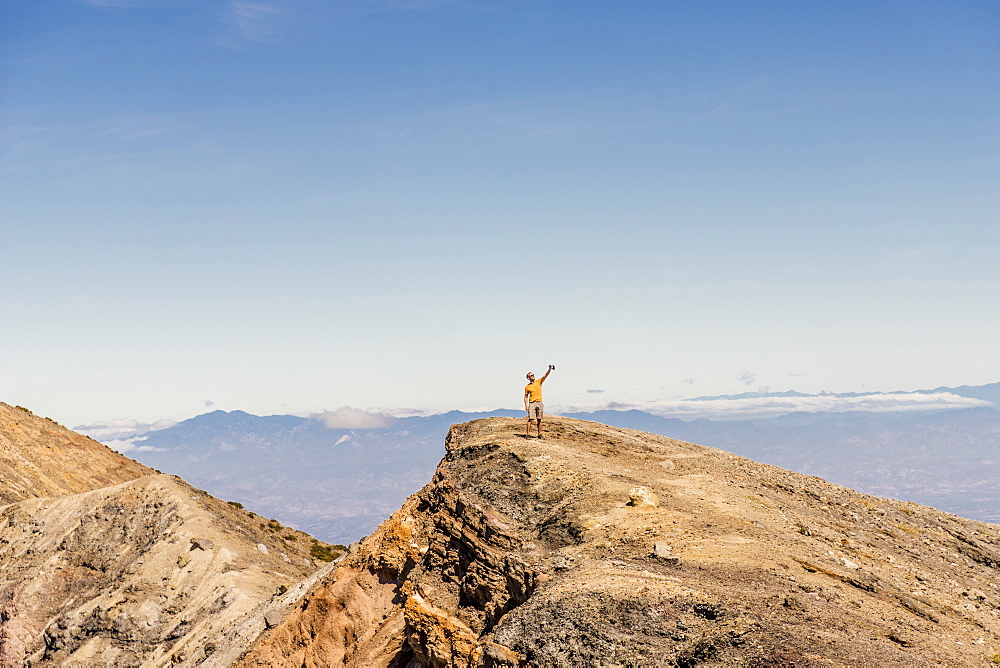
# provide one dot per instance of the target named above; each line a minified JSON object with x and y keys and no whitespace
{"x":339,"y":483}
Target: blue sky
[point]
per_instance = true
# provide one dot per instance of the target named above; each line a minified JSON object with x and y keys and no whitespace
{"x":293,"y":206}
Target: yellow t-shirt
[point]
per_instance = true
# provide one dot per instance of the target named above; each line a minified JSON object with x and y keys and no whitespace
{"x":534,"y":391}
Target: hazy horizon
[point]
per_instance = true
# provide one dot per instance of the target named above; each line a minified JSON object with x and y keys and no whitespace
{"x":121,"y":432}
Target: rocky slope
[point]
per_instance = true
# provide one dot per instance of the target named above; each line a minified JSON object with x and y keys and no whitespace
{"x":609,"y":547}
{"x":945,"y":459}
{"x":105,"y":562}
{"x":41,"y":458}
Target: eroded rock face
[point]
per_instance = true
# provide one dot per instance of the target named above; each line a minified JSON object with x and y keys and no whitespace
{"x":147,"y":571}
{"x":525,"y":552}
{"x":114,"y":576}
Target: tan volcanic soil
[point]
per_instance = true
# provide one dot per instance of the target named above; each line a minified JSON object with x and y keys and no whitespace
{"x":541,"y":552}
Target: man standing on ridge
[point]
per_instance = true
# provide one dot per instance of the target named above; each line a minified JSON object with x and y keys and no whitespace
{"x":533,"y":400}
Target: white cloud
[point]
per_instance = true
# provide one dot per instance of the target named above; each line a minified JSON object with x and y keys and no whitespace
{"x":352,"y":418}
{"x":748,"y":377}
{"x":406,"y":412}
{"x":122,"y":434}
{"x":121,"y":430}
{"x":121,"y":445}
{"x":762,"y":407}
{"x":129,"y":445}
{"x":256,"y":21}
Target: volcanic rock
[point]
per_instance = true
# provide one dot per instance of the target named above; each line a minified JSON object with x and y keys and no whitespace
{"x":527,"y":553}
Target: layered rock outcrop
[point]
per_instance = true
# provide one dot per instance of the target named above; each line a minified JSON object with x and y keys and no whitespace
{"x":610,"y":547}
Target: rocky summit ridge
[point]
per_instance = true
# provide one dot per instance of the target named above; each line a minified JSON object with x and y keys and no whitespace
{"x":600,"y":546}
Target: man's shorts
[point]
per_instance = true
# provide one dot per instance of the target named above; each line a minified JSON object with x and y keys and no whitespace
{"x":535,"y":410}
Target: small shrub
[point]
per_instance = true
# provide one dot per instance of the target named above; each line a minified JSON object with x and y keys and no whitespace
{"x":235,"y":504}
{"x":323,"y":552}
{"x":291,"y":537}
